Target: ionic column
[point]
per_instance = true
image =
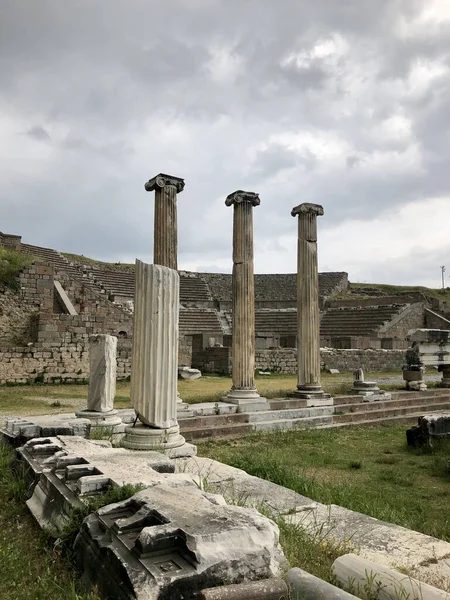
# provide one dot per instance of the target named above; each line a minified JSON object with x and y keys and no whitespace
{"x":308,"y":318}
{"x":165,"y":234}
{"x":154,"y":367}
{"x":102,"y":382}
{"x":243,"y":391}
{"x":165,"y":238}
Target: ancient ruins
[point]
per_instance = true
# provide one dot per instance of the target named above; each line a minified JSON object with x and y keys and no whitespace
{"x":181,"y":533}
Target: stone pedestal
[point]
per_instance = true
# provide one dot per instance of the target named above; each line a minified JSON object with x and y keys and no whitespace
{"x":102,"y":382}
{"x":243,"y":391}
{"x":308,"y":321}
{"x":165,"y":236}
{"x":154,"y":366}
{"x":369,"y":390}
{"x":414,"y":379}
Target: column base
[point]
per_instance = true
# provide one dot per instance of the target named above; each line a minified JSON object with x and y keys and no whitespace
{"x":247,"y":400}
{"x":109,"y":418}
{"x":168,"y":441}
{"x":313,"y":394}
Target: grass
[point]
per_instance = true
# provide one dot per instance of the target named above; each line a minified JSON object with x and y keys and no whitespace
{"x":366,"y":469}
{"x":45,"y":399}
{"x":86,"y":260}
{"x":363,"y":290}
{"x":30,"y":569}
{"x":11,"y":263}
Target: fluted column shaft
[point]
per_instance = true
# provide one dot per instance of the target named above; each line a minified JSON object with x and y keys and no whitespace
{"x":165,"y":239}
{"x":308,"y":316}
{"x":154,"y":367}
{"x":165,"y":234}
{"x":243,"y":298}
{"x":243,"y":391}
{"x":308,"y":320}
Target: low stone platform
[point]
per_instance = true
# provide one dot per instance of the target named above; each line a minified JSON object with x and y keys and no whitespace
{"x":293,"y":413}
{"x":221,"y":420}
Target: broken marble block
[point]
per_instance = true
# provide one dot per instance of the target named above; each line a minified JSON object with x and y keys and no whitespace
{"x":102,"y":382}
{"x":63,"y":471}
{"x":188,"y":373}
{"x":434,"y":425}
{"x":171,"y":542}
{"x":19,"y":430}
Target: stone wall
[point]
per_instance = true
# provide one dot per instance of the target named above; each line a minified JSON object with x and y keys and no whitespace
{"x":10,"y":241}
{"x":369,"y":360}
{"x":284,"y":360}
{"x":66,"y":362}
{"x":434,"y":320}
{"x":412,"y":318}
{"x":18,"y":319}
{"x":19,"y":309}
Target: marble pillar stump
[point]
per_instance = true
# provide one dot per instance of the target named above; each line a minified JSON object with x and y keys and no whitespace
{"x":243,"y":391}
{"x":165,"y":232}
{"x":154,"y":363}
{"x":102,"y":382}
{"x":308,"y":319}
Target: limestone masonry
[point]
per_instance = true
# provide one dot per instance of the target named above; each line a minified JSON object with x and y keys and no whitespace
{"x":45,"y":325}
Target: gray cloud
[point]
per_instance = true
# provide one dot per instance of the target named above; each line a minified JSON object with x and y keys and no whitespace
{"x":340,"y":103}
{"x":39,"y":133}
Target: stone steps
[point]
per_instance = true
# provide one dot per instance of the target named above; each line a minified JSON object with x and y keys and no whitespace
{"x":386,"y":413}
{"x":409,"y":418}
{"x":292,"y":414}
{"x":395,"y":396}
{"x":300,"y":423}
{"x":284,"y":403}
{"x":366,"y":407}
{"x":221,"y":431}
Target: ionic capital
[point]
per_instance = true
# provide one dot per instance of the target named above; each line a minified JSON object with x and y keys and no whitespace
{"x":240,"y":196}
{"x":162,"y":180}
{"x":307,"y":207}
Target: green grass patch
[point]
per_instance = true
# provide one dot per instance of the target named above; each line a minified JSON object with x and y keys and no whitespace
{"x":30,"y":568}
{"x":40,"y":398}
{"x":11,"y":263}
{"x":367,"y":469}
{"x":365,"y":290}
{"x":79,"y":258}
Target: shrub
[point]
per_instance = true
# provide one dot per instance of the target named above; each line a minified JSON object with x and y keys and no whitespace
{"x":11,"y":263}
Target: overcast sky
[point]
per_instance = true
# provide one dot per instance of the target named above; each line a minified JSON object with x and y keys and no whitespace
{"x":342,"y":103}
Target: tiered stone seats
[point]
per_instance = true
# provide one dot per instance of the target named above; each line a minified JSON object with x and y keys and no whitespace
{"x":196,"y":320}
{"x":276,"y":322}
{"x":360,"y":321}
{"x":121,"y":284}
{"x":274,"y":287}
{"x":51,"y":257}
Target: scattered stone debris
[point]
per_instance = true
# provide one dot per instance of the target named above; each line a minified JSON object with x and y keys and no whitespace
{"x":429,"y":427}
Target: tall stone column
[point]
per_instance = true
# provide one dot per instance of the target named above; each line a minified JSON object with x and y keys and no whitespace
{"x":165,"y":238}
{"x":102,"y":381}
{"x":243,"y":391}
{"x":308,"y":318}
{"x":154,"y":367}
{"x":165,"y":234}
